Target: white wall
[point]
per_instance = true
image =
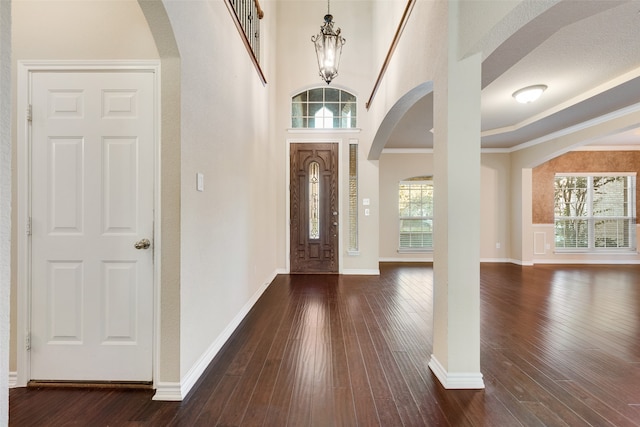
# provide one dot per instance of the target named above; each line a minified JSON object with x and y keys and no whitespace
{"x":5,"y":204}
{"x":394,"y":168}
{"x":227,"y":231}
{"x":297,"y":71}
{"x":494,"y":205}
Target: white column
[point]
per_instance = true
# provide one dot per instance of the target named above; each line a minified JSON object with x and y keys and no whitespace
{"x":456,"y":344}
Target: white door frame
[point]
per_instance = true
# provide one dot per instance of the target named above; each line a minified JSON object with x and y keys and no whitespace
{"x":23,"y":176}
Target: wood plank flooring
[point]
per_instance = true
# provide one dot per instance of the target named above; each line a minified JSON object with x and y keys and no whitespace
{"x":560,"y":347}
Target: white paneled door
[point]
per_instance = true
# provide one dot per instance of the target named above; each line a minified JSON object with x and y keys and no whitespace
{"x":92,"y":199}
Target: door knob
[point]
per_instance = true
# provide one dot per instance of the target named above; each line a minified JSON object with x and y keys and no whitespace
{"x":142,"y":244}
{"x":335,"y":223}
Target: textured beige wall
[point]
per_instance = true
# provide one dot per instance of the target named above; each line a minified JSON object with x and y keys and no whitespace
{"x":577,"y":161}
{"x":495,"y":214}
{"x":227,"y":230}
{"x":393,"y":169}
{"x":494,"y":203}
{"x":297,"y":70}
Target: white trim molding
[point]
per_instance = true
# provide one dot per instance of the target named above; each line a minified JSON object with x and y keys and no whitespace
{"x":520,"y":262}
{"x":172,"y":391}
{"x":456,"y":380}
{"x":606,"y":261}
{"x":13,"y":379}
{"x":494,"y":260}
{"x":425,"y":258}
{"x":167,"y":391}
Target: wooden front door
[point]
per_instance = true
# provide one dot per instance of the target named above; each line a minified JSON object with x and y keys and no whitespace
{"x":314,"y":208}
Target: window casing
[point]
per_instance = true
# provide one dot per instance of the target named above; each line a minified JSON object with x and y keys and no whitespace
{"x":595,"y":213}
{"x":323,"y":108}
{"x":415,"y":211}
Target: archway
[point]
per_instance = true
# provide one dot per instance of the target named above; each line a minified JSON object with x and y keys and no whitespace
{"x":394,"y":116}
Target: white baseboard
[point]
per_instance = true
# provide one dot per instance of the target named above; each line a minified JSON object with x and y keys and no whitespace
{"x":13,"y":379}
{"x":457,"y":380}
{"x":495,"y":260}
{"x":588,"y":261}
{"x":428,"y":258}
{"x":169,"y":392}
{"x":178,"y":391}
{"x":362,"y":271}
{"x":520,"y":262}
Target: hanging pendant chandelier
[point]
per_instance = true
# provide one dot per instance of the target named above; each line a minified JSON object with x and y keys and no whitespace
{"x":328,"y":45}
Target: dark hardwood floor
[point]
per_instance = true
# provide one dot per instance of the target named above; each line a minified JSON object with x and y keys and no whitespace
{"x":560,"y":347}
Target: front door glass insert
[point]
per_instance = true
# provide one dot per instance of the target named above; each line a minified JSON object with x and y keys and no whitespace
{"x":314,"y":200}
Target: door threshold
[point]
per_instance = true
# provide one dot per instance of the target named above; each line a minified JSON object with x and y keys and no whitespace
{"x":314,"y":272}
{"x":121,"y":385}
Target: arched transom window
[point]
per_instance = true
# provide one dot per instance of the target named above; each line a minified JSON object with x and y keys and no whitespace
{"x":323,"y":108}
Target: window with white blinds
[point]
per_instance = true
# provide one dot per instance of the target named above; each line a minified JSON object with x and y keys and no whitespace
{"x":415,"y":203}
{"x":595,"y":212}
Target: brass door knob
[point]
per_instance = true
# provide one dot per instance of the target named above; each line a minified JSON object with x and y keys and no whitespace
{"x":142,"y":244}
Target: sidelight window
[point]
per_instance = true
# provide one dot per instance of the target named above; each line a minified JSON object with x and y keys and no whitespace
{"x":353,"y":197}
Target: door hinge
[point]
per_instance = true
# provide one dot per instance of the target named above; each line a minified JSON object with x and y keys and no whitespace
{"x":28,"y":226}
{"x":27,"y":341}
{"x":29,"y":112}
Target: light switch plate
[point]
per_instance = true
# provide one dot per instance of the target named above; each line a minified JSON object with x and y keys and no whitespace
{"x":200,"y":181}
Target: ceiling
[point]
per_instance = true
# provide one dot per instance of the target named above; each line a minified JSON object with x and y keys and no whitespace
{"x":587,"y":53}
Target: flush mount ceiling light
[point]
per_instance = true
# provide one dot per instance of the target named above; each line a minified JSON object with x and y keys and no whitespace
{"x":529,"y":94}
{"x":328,"y":45}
